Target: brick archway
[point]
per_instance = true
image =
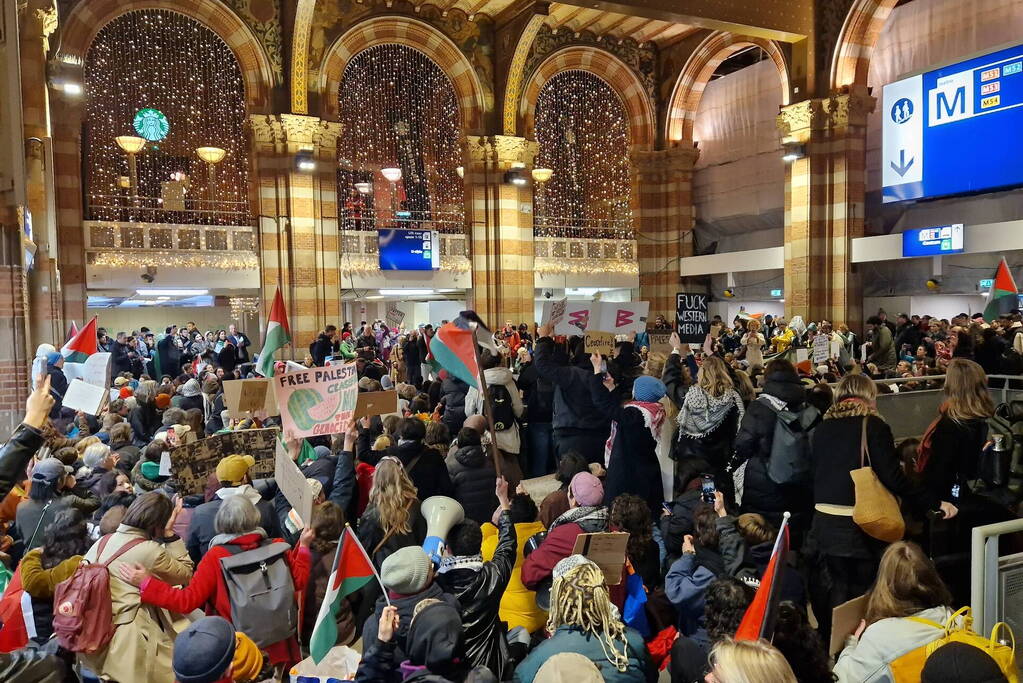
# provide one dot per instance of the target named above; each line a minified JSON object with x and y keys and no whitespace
{"x":859,"y":34}
{"x":88,"y":18}
{"x":445,"y":54}
{"x":685,"y":98}
{"x":608,"y":68}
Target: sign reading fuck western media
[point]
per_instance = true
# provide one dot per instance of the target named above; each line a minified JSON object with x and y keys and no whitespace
{"x":691,"y":317}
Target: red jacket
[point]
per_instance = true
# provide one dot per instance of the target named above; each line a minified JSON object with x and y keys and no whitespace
{"x":207,"y":589}
{"x":556,"y":546}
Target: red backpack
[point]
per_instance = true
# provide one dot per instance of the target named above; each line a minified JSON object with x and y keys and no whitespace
{"x":83,"y":619}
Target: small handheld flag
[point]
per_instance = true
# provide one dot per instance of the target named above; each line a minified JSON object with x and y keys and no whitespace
{"x":82,"y":345}
{"x":276,"y":337}
{"x":760,"y":617}
{"x":351,"y":571}
{"x":1004,"y":296}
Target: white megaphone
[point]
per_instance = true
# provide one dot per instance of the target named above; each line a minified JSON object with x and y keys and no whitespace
{"x":441,"y":513}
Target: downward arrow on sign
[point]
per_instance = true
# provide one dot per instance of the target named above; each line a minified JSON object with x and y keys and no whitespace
{"x":903,"y":165}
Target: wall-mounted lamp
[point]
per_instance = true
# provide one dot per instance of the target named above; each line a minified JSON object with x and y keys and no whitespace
{"x":515,"y":177}
{"x":791,"y":151}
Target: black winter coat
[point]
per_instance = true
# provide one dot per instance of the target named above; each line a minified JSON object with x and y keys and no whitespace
{"x":426,"y":468}
{"x":452,"y":397}
{"x":145,"y":420}
{"x":321,"y":348}
{"x":405,"y":604}
{"x":574,"y":409}
{"x":753,"y":446}
{"x":537,"y":394}
{"x":119,"y":359}
{"x":473,"y":476}
{"x":479,"y":593}
{"x":955,"y":453}
{"x":201,"y":528}
{"x":15,"y":454}
{"x":633,"y":466}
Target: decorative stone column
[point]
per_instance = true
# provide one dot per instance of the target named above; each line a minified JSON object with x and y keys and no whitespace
{"x":662,"y":188}
{"x":298,"y":221}
{"x":824,"y":203}
{"x":501,"y":216}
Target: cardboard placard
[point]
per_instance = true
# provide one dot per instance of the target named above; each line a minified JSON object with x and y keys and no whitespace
{"x":192,"y":463}
{"x":94,"y":370}
{"x":88,"y":398}
{"x":619,"y":317}
{"x":821,"y":349}
{"x":845,"y":619}
{"x":691,"y":318}
{"x":539,"y":488}
{"x":576,"y":318}
{"x":292,"y":484}
{"x":599,"y":342}
{"x":316,"y":401}
{"x":253,"y":396}
{"x":232,"y":398}
{"x":660,"y":342}
{"x":606,"y":550}
{"x":395,"y":316}
{"x":370,"y":403}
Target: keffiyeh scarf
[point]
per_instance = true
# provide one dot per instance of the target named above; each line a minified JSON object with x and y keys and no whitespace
{"x":473,"y":562}
{"x":653,"y":418}
{"x":702,"y":413}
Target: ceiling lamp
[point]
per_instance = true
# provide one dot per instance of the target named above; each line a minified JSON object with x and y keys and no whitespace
{"x":131,"y":144}
{"x":393,"y":175}
{"x":211,"y":155}
{"x":542,"y":175}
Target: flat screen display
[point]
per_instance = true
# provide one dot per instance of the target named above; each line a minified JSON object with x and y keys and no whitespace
{"x":954,"y":130}
{"x":409,"y":249}
{"x":944,"y":239}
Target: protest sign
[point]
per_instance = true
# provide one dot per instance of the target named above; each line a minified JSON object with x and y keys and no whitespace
{"x":372,"y":403}
{"x":660,"y":342}
{"x":192,"y":463}
{"x":576,"y":318}
{"x":233,"y":390}
{"x":606,"y":550}
{"x":845,"y":619}
{"x":95,"y":370}
{"x":691,"y":317}
{"x":292,"y":484}
{"x":316,"y":401}
{"x":253,"y":396}
{"x":619,"y":317}
{"x":85,"y":397}
{"x":599,"y":342}
{"x":395,"y":316}
{"x":821,"y":349}
{"x":553,"y":312}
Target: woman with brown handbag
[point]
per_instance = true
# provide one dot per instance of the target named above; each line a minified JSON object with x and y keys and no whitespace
{"x":854,"y":438}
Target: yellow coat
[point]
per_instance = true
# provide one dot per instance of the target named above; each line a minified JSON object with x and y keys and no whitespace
{"x":518,"y":604}
{"x":783,"y":341}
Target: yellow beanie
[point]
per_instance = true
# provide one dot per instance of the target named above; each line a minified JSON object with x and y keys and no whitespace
{"x":233,"y":468}
{"x":248,"y":660}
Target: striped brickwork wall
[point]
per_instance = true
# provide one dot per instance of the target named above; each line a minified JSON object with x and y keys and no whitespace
{"x":663,"y":212}
{"x":14,"y":355}
{"x":502,"y":233}
{"x":298,"y":236}
{"x":856,"y":42}
{"x":824,"y":202}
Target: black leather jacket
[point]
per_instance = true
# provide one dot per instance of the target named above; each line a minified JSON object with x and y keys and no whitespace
{"x":479,"y":593}
{"x":15,"y":454}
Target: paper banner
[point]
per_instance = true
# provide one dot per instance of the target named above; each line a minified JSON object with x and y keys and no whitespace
{"x":606,"y":550}
{"x":576,"y":319}
{"x":192,"y":463}
{"x":599,"y":342}
{"x":691,"y":317}
{"x":85,"y":397}
{"x":620,"y":317}
{"x":233,"y":390}
{"x":316,"y":401}
{"x":95,"y":370}
{"x":370,"y":403}
{"x":292,"y":484}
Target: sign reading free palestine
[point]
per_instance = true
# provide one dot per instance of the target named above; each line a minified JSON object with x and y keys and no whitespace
{"x":316,"y":401}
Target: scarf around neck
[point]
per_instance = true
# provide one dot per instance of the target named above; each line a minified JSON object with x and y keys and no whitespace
{"x":653,"y":418}
{"x":702,"y":413}
{"x":595,"y":513}
{"x":449,"y":564}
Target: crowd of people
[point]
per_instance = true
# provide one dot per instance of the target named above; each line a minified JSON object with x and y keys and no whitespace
{"x":119,"y":576}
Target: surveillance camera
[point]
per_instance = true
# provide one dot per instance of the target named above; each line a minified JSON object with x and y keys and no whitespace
{"x":547,"y":293}
{"x":147,"y":278}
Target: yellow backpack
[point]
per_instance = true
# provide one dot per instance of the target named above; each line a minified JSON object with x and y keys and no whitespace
{"x":958,"y":629}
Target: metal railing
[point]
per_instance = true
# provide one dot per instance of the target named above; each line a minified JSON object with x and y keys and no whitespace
{"x":368,"y":220}
{"x":180,"y":211}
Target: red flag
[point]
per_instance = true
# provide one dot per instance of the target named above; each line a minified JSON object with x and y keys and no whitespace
{"x":82,"y":345}
{"x":758,"y":622}
{"x":17,"y":617}
{"x":71,"y":332}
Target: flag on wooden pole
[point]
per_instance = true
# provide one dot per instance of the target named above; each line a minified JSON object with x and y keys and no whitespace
{"x":276,"y":337}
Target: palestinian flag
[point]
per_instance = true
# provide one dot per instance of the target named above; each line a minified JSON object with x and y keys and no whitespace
{"x":351,"y":571}
{"x":453,"y":348}
{"x":761,"y":615}
{"x":276,"y":337}
{"x":82,"y":345}
{"x":72,"y":331}
{"x":16,"y":614}
{"x":1003,"y":296}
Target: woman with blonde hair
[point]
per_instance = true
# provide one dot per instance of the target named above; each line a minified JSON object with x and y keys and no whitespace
{"x":907,"y":608}
{"x":844,"y":559}
{"x":754,"y":341}
{"x":583,"y":620}
{"x":392,"y":519}
{"x":709,"y":420}
{"x":748,"y":661}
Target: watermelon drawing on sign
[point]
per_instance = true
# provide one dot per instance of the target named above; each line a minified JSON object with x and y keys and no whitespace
{"x":307,"y":407}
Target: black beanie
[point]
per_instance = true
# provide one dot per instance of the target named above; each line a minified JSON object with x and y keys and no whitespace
{"x":961,"y":663}
{"x":203,"y":651}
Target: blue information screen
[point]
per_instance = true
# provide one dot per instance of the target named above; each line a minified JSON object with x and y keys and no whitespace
{"x":944,"y":239}
{"x":955,"y":129}
{"x":409,"y":249}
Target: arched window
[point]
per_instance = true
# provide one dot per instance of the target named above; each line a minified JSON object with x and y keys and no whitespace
{"x":583,"y":136}
{"x":399,"y":111}
{"x":164,"y":77}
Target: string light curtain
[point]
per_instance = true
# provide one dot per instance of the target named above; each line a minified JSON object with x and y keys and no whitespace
{"x":166,"y":61}
{"x":399,"y":111}
{"x":583,"y":135}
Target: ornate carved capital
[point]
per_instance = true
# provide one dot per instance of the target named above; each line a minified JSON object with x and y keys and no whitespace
{"x":327,"y":135}
{"x":300,"y":129}
{"x":500,"y":150}
{"x":664,"y":162}
{"x":851,"y":109}
{"x":797,"y":120}
{"x":266,"y":128}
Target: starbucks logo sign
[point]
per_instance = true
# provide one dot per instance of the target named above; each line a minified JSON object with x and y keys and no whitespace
{"x":151,"y":124}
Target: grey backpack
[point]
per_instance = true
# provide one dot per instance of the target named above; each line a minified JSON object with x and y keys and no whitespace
{"x":790,"y":447}
{"x":261,"y":591}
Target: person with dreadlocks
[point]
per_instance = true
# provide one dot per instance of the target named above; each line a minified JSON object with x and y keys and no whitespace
{"x":583,"y":620}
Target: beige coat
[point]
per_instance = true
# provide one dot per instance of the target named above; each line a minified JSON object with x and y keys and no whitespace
{"x":144,"y":637}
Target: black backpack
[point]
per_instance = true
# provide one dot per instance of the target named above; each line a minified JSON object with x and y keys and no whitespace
{"x":501,"y":407}
{"x":789,"y":462}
